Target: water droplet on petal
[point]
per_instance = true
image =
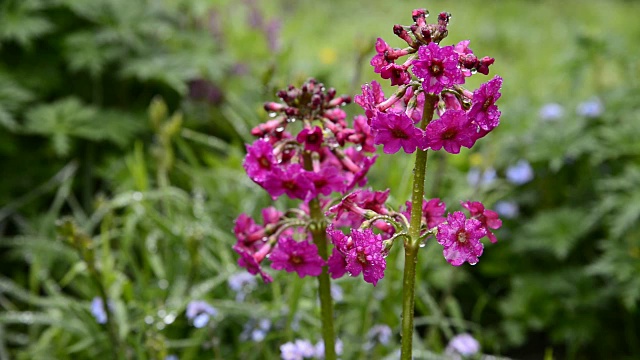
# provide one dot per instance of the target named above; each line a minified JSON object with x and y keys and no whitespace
{"x":272,"y":114}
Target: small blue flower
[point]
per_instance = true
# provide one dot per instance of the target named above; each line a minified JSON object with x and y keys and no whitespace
{"x":380,"y":333}
{"x":551,"y":112}
{"x":591,"y":108}
{"x":476,"y":177}
{"x":520,"y":173}
{"x":462,"y":344}
{"x":298,"y":350}
{"x":242,"y":283}
{"x":98,"y":311}
{"x":336,"y":292}
{"x":200,"y":312}
{"x":319,"y":348}
{"x":507,"y":209}
{"x":171,"y":357}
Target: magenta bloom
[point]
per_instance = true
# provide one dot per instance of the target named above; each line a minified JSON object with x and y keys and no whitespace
{"x":379,"y":61}
{"x":438,"y":67}
{"x":461,"y":239}
{"x":484,"y":111}
{"x":371,"y":96}
{"x":327,"y":180}
{"x":488,"y":218}
{"x":362,"y":134}
{"x":397,"y":73}
{"x":450,"y":132}
{"x":259,"y":161}
{"x":395,"y":130}
{"x":251,"y":261}
{"x":293,"y":180}
{"x":366,"y":256}
{"x":311,"y":138}
{"x":301,"y":257}
{"x":337,"y":263}
{"x":432,"y":212}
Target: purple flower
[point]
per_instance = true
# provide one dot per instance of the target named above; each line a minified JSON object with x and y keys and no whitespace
{"x":298,"y":350}
{"x":397,"y":73}
{"x":507,"y":209}
{"x":311,"y":138}
{"x":438,"y":67}
{"x":488,"y":218}
{"x":432,"y":212}
{"x":591,"y":108}
{"x":364,"y":255}
{"x":462,"y":344}
{"x":450,"y":132}
{"x":319,"y":349}
{"x":293,"y":181}
{"x":484,"y":111}
{"x":327,"y":180}
{"x":242,"y":283}
{"x":551,"y":111}
{"x":98,"y":311}
{"x":301,"y":257}
{"x":477,"y":177}
{"x":461,"y":239}
{"x":199,"y":312}
{"x":371,"y":96}
{"x":395,"y":130}
{"x":379,"y":62}
{"x":520,"y":173}
{"x":259,"y":161}
{"x":380,"y":333}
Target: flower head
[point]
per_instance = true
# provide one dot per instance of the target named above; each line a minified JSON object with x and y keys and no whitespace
{"x":293,"y":181}
{"x":395,"y":130}
{"x":364,"y":255}
{"x":450,"y":132}
{"x":461,"y":239}
{"x":259,"y":161}
{"x":301,"y":257}
{"x":438,"y":67}
{"x":298,"y":350}
{"x":311,"y":138}
{"x":488,"y":218}
{"x":199,"y":312}
{"x":98,"y":311}
{"x":520,"y":173}
{"x":484,"y":111}
{"x":462,"y":344}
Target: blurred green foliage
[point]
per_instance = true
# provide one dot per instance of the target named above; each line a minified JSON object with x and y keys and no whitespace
{"x":121,"y":132}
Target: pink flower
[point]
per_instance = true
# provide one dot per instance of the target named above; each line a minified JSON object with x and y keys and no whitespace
{"x":484,"y":112}
{"x":359,"y":253}
{"x":259,"y":161}
{"x":301,"y":257}
{"x":311,"y":138}
{"x":251,"y":261}
{"x":451,"y":131}
{"x":432,"y":212}
{"x":247,"y":231}
{"x":366,"y":256}
{"x":362,"y":134}
{"x":488,"y":218}
{"x":371,"y":96}
{"x":327,"y":180}
{"x":397,"y":73}
{"x":438,"y":67}
{"x":293,"y":181}
{"x":461,"y":239}
{"x":379,"y":61}
{"x":395,"y":130}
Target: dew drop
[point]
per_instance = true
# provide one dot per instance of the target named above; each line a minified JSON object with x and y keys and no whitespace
{"x":160,"y":326}
{"x":137,"y":196}
{"x":280,"y":129}
{"x":148,"y":320}
{"x":272,"y":114}
{"x":162,"y":313}
{"x":422,"y":243}
{"x":472,"y":263}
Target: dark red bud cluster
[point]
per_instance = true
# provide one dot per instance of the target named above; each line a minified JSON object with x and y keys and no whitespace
{"x":422,"y":32}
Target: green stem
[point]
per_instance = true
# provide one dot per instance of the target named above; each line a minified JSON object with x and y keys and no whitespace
{"x":318,"y":229}
{"x":412,"y":245}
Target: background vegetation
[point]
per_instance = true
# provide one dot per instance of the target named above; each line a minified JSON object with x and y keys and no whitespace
{"x":122,"y":126}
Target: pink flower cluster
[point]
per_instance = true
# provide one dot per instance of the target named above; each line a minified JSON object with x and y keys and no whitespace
{"x":433,"y":71}
{"x":325,"y":156}
{"x":460,"y":236}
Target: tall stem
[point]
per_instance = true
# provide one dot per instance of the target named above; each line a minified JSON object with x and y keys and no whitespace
{"x":318,"y":231}
{"x":412,"y":244}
